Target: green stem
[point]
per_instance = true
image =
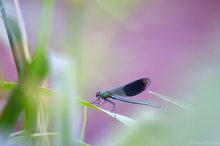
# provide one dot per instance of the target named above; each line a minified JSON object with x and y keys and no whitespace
{"x":82,"y":137}
{"x":24,"y":39}
{"x":15,"y":35}
{"x":45,"y":25}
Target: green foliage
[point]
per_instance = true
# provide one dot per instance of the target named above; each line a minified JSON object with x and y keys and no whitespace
{"x":22,"y":95}
{"x":31,"y":76}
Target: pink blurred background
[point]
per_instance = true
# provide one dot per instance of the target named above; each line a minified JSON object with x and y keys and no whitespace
{"x":174,"y":43}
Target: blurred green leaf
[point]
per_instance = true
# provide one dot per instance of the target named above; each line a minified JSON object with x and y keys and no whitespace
{"x":32,"y":77}
{"x":8,"y":86}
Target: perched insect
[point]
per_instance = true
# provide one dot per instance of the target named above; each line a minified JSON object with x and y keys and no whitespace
{"x":131,"y":89}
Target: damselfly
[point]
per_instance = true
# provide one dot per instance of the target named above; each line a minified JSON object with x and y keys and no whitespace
{"x":128,"y":90}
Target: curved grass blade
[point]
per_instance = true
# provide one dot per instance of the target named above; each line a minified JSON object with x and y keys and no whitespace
{"x":172,"y":100}
{"x":121,"y":118}
{"x":8,"y":86}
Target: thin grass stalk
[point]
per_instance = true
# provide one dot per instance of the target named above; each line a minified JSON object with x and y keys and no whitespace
{"x":42,"y":46}
{"x":82,"y":137}
{"x":15,"y":40}
{"x":21,"y":25}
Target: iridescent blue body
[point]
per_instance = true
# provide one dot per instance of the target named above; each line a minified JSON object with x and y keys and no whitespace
{"x":131,"y":89}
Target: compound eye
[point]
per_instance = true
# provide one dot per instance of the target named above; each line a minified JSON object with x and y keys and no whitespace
{"x":97,"y":94}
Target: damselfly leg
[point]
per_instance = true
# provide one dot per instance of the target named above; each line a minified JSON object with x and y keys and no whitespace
{"x":113,"y":106}
{"x":97,"y":101}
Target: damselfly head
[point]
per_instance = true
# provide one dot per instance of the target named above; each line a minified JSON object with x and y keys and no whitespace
{"x":98,"y":94}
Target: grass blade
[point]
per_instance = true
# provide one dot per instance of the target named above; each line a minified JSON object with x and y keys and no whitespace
{"x":15,"y":37}
{"x":172,"y":100}
{"x":121,"y":118}
{"x":19,"y":137}
{"x":82,"y":137}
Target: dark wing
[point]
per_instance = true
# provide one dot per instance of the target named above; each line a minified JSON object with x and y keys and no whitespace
{"x":133,"y":88}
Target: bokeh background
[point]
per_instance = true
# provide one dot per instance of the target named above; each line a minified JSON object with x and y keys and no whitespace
{"x":175,"y":43}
